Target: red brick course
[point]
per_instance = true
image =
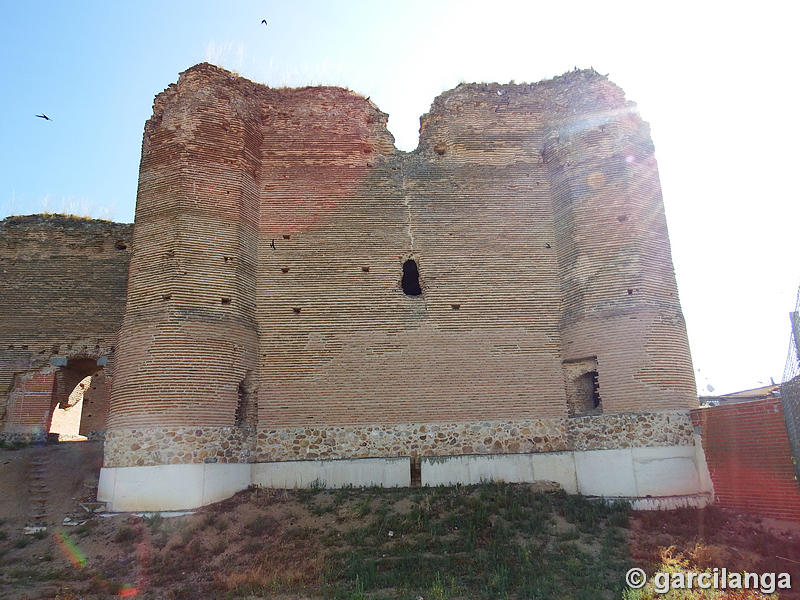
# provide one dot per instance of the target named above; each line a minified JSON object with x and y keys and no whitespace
{"x":31,"y":401}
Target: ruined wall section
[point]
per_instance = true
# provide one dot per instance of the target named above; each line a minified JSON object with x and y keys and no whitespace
{"x":95,"y":405}
{"x":190,"y":336}
{"x":62,"y":297}
{"x":275,"y":225}
{"x":481,"y":225}
{"x":619,"y":295}
{"x":329,"y":306}
{"x":342,"y":344}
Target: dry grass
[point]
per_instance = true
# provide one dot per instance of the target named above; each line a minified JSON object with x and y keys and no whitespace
{"x":490,"y":541}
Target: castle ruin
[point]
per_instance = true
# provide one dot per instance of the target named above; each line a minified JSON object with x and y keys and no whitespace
{"x":307,"y":304}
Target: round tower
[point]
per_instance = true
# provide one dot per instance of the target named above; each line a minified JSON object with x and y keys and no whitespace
{"x":183,"y":395}
{"x":622,"y":331}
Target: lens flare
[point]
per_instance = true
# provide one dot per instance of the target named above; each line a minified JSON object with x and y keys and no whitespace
{"x":70,"y":549}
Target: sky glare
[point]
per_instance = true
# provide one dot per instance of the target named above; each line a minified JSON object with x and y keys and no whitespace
{"x":715,"y":80}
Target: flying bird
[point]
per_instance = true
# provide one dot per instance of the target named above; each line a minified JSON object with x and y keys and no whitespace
{"x":44,"y":116}
{"x":264,"y":21}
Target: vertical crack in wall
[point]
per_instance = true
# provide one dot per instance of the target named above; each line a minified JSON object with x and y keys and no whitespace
{"x":407,"y":204}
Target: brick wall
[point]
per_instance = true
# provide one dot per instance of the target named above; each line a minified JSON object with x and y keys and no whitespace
{"x":272,"y":227}
{"x":96,"y":399}
{"x":62,"y":295}
{"x":30,"y":402}
{"x":749,"y":459}
{"x":305,"y":189}
{"x":618,"y":290}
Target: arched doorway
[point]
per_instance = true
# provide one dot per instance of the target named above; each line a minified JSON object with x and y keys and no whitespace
{"x":66,"y":419}
{"x":81,"y":389}
{"x":72,"y":389}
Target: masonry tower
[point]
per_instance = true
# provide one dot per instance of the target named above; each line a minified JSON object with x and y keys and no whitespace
{"x":307,"y":303}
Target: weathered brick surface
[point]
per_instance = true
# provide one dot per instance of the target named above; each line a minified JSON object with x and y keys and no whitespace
{"x":96,"y":399}
{"x":749,"y":457}
{"x":31,"y":401}
{"x":271,"y":230}
{"x":619,"y":296}
{"x":62,"y":294}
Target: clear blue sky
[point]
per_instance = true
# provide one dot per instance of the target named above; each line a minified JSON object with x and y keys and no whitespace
{"x":716,"y":80}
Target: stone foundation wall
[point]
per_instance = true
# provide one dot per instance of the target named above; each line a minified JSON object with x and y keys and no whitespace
{"x":177,"y":445}
{"x":182,"y":445}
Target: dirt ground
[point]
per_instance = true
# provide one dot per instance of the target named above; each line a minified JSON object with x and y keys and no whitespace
{"x":70,"y":471}
{"x":404,"y":543}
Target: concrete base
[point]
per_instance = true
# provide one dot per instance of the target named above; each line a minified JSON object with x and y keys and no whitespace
{"x":663,"y":471}
{"x":170,"y":487}
{"x":652,"y":478}
{"x":181,"y":487}
{"x":510,"y":468}
{"x":359,"y":472}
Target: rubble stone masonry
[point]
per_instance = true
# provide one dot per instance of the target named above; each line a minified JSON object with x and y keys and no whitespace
{"x":180,"y":445}
{"x":272,"y":230}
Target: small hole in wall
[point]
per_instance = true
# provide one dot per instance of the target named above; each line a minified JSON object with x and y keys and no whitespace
{"x":416,"y":471}
{"x":595,"y":387}
{"x":120,"y":245}
{"x":410,"y":280}
{"x":365,"y":269}
{"x":296,"y":310}
{"x":166,"y":297}
{"x":622,"y":218}
{"x":440,"y":148}
{"x":284,"y":269}
{"x":286,"y":236}
{"x":582,"y":387}
{"x":226,"y":300}
{"x":630,"y":292}
{"x":455,"y":306}
{"x":247,"y":403}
